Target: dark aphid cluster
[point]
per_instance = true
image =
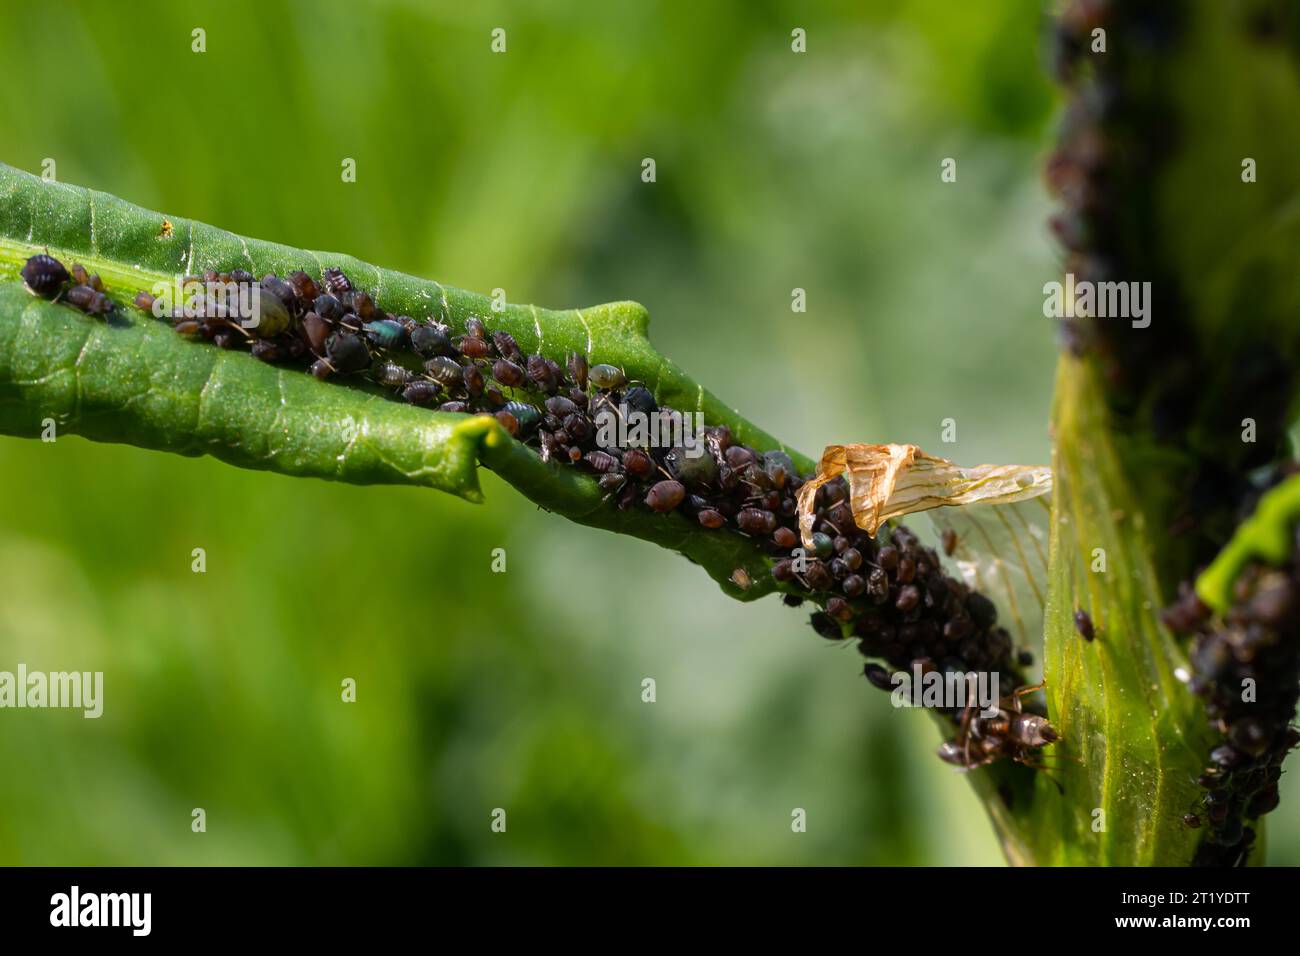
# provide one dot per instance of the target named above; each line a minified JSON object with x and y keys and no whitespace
{"x":892,"y":595}
{"x":889,"y":593}
{"x":45,"y":276}
{"x":338,"y":330}
{"x":1246,"y":668}
{"x":1121,"y":127}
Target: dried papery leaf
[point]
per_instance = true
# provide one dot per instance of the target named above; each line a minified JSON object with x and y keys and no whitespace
{"x":890,"y":481}
{"x":1002,"y":551}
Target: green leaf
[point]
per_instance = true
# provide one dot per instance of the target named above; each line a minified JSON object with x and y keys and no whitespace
{"x":1265,"y":536}
{"x":1134,"y":738}
{"x":136,"y":381}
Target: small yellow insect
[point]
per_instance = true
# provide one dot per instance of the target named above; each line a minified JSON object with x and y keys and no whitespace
{"x":166,"y":230}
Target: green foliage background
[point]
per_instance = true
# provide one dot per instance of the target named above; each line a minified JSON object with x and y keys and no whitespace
{"x":521,"y":171}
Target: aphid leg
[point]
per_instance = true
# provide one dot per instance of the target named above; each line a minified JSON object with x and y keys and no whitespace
{"x":1023,"y":692}
{"x":964,"y":731}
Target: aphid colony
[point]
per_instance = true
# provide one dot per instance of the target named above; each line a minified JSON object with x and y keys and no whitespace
{"x":890,"y":593}
{"x":46,"y":277}
{"x":1121,"y":128}
{"x":1247,"y":670}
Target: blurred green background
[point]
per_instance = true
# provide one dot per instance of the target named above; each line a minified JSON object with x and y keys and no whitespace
{"x":522,"y":171}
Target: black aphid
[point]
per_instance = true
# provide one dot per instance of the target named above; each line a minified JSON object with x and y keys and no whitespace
{"x":44,"y":276}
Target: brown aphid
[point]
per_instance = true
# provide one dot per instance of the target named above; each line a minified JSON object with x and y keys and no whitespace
{"x":711,"y":519}
{"x":949,"y":541}
{"x":364,"y":306}
{"x":888,"y":558}
{"x":475,"y":347}
{"x":602,"y":462}
{"x":444,"y":371}
{"x":543,"y":374}
{"x":638,"y":463}
{"x":756,"y":521}
{"x":507,"y":347}
{"x":1083,"y":624}
{"x":819,"y":576}
{"x":839,"y":609}
{"x":472,"y":376}
{"x":390,"y":375}
{"x":577,"y":427}
{"x":144,"y":302}
{"x":316,"y":330}
{"x":304,"y":286}
{"x":421,"y":392}
{"x":908,"y":597}
{"x":560,"y":407}
{"x":578,"y":369}
{"x":508,"y":373}
{"x":508,"y":422}
{"x":79,"y":275}
{"x":89,"y":300}
{"x":268,"y":351}
{"x":784,"y":538}
{"x":664,"y":496}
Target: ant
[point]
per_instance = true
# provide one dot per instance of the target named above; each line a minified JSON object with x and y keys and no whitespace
{"x":1010,"y":732}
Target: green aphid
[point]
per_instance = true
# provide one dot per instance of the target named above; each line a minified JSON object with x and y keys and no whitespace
{"x":386,"y":333}
{"x":823,"y":545}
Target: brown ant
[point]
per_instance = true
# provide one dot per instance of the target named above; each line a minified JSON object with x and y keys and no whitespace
{"x":1011,"y":732}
